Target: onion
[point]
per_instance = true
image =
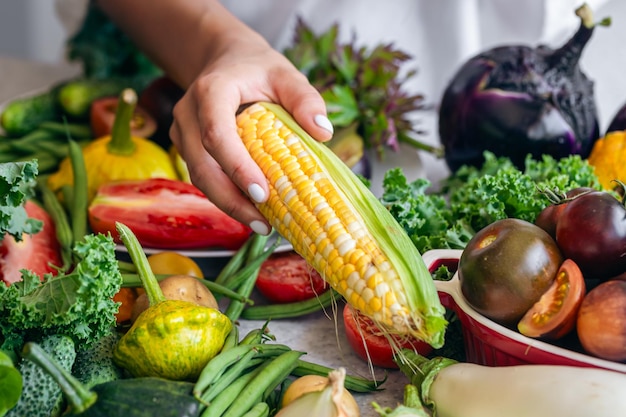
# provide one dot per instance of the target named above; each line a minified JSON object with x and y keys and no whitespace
{"x":317,"y":396}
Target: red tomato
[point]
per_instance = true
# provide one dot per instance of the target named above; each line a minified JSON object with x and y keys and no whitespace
{"x":554,"y":315}
{"x":165,"y":214}
{"x":37,"y":253}
{"x":102,"y":116}
{"x":287,"y":277}
{"x":368,"y":342}
{"x":549,"y":216}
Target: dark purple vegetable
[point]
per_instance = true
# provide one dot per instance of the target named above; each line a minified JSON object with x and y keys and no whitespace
{"x":516,"y":100}
{"x":619,"y":120}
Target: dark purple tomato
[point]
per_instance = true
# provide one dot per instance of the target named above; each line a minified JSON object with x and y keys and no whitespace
{"x":592,"y":232}
{"x":506,"y":268}
{"x":549,"y":216}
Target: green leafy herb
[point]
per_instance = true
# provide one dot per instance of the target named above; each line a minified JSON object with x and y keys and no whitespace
{"x":78,"y":305}
{"x":360,"y":86}
{"x":105,"y":51}
{"x":472,"y":198}
{"x":17,"y":184}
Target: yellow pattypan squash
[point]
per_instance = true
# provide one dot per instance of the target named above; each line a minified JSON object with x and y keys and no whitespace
{"x":607,"y":158}
{"x":119,"y":156}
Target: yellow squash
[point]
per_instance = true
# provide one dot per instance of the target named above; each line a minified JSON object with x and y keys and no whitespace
{"x":607,"y":157}
{"x":119,"y":156}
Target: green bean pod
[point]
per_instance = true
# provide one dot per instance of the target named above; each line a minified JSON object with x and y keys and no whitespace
{"x":352,"y":383}
{"x":290,"y":310}
{"x":265,"y":382}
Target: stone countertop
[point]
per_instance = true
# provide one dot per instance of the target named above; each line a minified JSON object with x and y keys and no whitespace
{"x":320,"y":335}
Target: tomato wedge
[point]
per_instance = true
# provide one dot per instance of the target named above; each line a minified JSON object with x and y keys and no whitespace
{"x":554,"y":315}
{"x":39,"y":253}
{"x":102,"y":116}
{"x":287,"y":278}
{"x":165,"y":214}
{"x":369,"y":343}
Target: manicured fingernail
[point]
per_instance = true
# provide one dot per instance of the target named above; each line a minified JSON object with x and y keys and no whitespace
{"x":323,"y":122}
{"x":259,"y":227}
{"x":256,"y":192}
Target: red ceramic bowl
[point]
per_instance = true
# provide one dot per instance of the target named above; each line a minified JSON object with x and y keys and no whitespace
{"x":488,"y":343}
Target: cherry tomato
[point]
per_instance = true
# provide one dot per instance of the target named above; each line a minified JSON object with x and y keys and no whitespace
{"x":592,"y":232}
{"x":506,"y":267}
{"x":286,"y":278}
{"x":554,"y":315}
{"x":369,"y":343}
{"x":549,"y":216}
{"x":174,"y":263}
{"x":165,"y":214}
{"x":38,"y":253}
{"x":102,"y":116}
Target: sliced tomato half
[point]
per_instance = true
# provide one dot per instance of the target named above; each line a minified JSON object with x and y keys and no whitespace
{"x":287,"y":278}
{"x":165,"y":214}
{"x":554,"y":315}
{"x":102,"y":116}
{"x":371,"y":345}
{"x":40,"y":253}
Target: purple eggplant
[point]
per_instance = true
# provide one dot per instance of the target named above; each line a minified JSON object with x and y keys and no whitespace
{"x":618,"y":122}
{"x":516,"y":100}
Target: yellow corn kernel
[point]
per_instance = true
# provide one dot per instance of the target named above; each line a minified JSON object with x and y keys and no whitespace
{"x":340,"y":228}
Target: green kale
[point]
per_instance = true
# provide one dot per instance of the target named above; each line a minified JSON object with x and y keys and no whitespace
{"x":474,"y":197}
{"x":17,"y":184}
{"x":105,"y":51}
{"x":78,"y":305}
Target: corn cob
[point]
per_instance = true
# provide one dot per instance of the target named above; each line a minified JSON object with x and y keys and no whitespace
{"x":334,"y":221}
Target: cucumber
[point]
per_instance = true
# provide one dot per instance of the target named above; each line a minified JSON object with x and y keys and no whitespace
{"x":41,"y":394}
{"x":76,"y":96}
{"x":23,"y":115}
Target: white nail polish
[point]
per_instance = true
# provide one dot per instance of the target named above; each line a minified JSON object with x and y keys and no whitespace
{"x":323,"y":122}
{"x":259,"y":227}
{"x":256,"y":193}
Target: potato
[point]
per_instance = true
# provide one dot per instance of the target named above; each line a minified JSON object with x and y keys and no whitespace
{"x":179,"y":287}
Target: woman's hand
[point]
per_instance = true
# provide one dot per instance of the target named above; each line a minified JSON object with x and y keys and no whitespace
{"x":205,"y":133}
{"x":222,"y":64}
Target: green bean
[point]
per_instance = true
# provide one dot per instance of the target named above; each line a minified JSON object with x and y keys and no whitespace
{"x":225,"y":398}
{"x":61,"y":223}
{"x":255,"y":257}
{"x":262,"y":384}
{"x":69,"y":130}
{"x":220,"y":363}
{"x":290,"y":310}
{"x":352,"y":383}
{"x":256,"y":336}
{"x":228,"y":376}
{"x":132,"y":280}
{"x":232,"y":339}
{"x":80,"y":199}
{"x":217,"y":366}
{"x":234,"y":263}
{"x":261,"y":409}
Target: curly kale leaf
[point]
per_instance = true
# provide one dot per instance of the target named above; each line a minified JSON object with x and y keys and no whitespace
{"x":473,"y":197}
{"x":105,"y":51}
{"x":17,"y":184}
{"x":78,"y":304}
